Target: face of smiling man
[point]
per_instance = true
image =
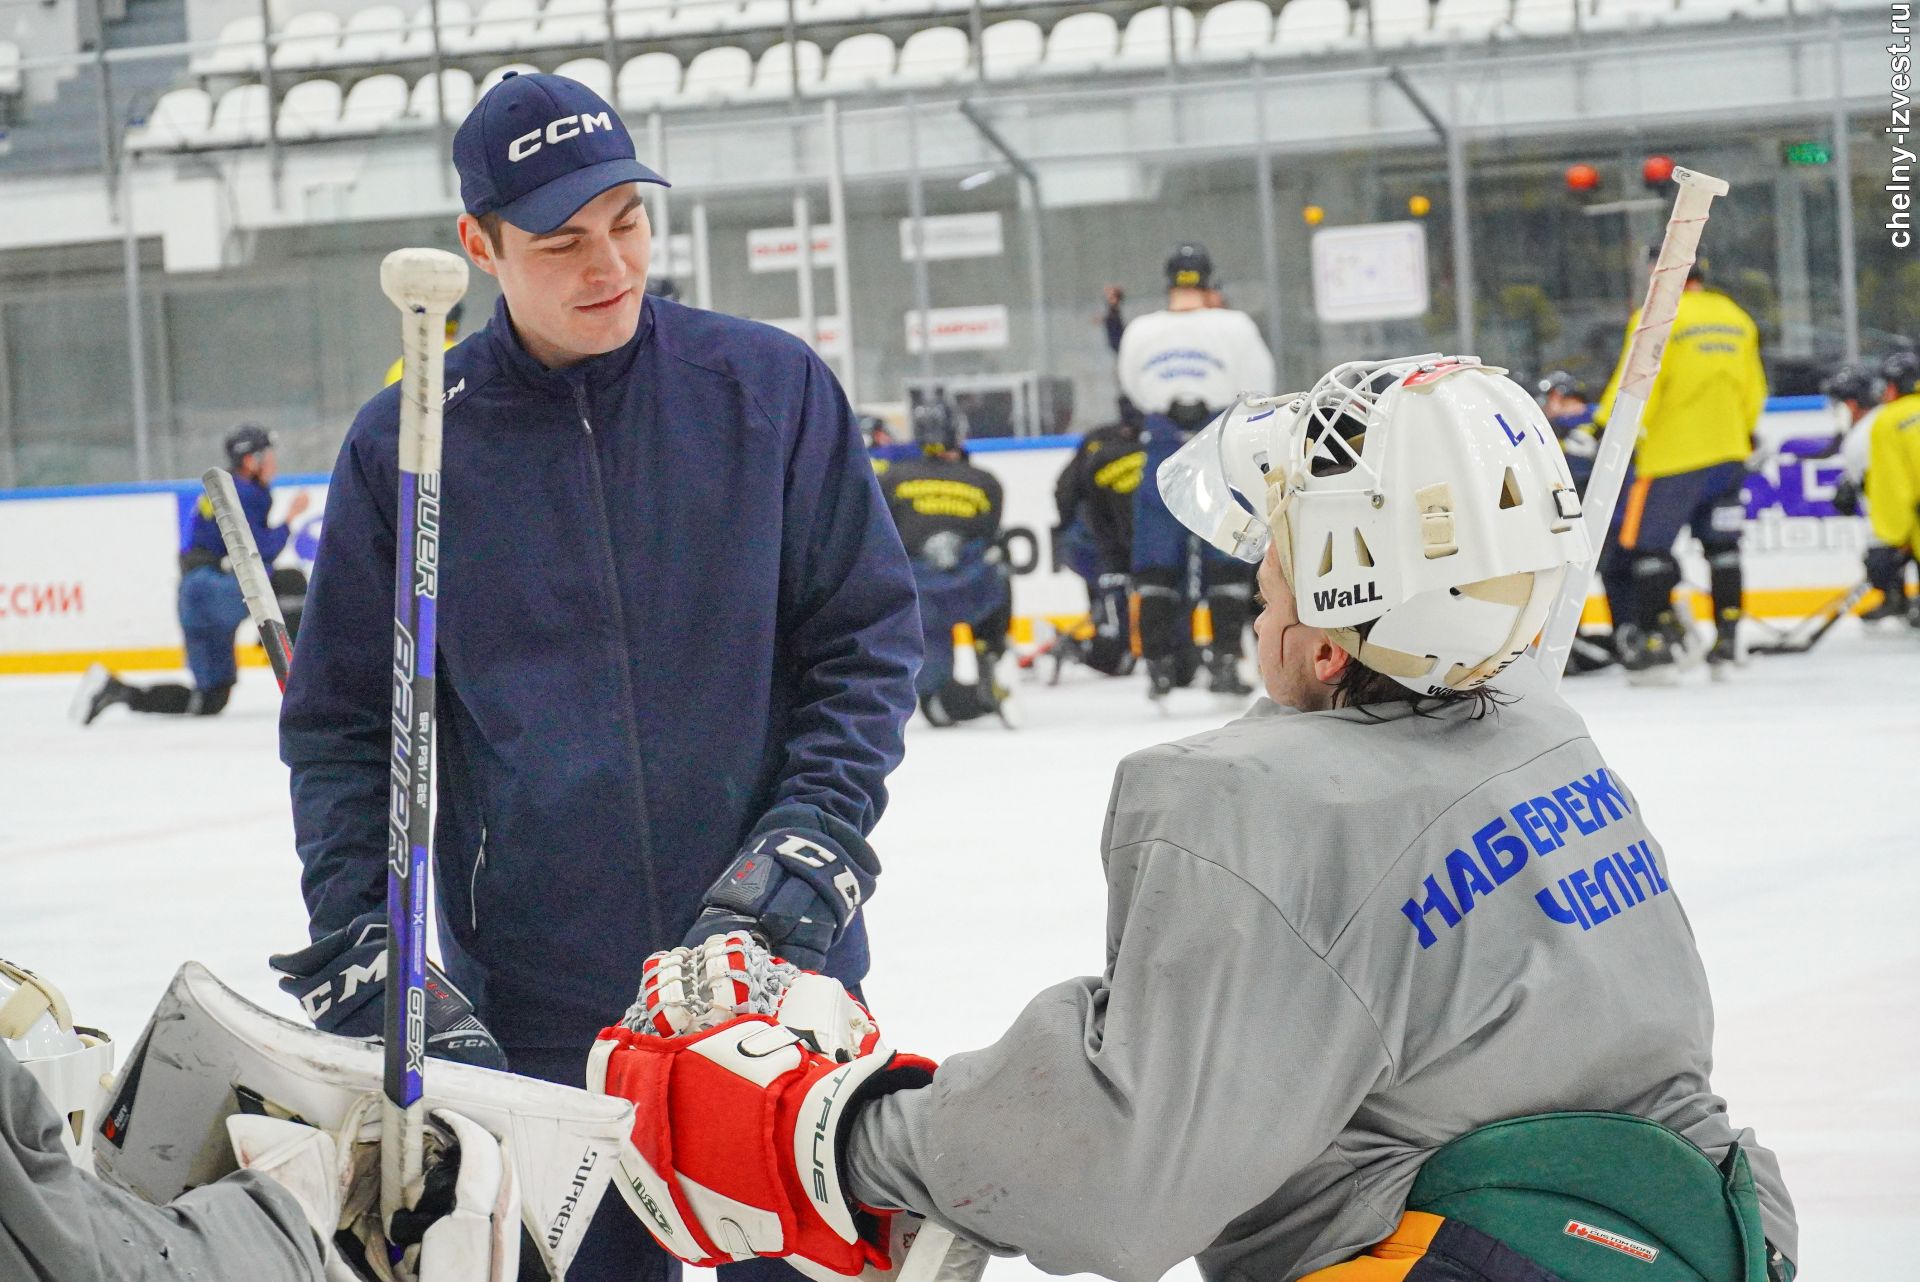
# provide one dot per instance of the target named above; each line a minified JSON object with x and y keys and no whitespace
{"x":573,"y":292}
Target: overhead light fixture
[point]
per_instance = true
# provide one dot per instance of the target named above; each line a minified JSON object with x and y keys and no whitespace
{"x":980,"y":179}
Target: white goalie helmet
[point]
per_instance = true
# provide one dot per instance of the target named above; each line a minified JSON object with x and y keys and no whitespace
{"x":1422,"y":501}
{"x":73,"y":1065}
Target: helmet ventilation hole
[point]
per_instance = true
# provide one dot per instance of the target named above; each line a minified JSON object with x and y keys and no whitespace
{"x":1510,"y":491}
{"x":1361,"y":552}
{"x":1326,"y":558}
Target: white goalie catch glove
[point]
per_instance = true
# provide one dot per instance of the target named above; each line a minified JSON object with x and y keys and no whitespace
{"x":464,"y":1228}
{"x":690,"y":990}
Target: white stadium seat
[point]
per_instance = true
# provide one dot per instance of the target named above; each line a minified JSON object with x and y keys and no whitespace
{"x":865,"y":61}
{"x":239,"y":53}
{"x":842,"y":11}
{"x":456,"y":26}
{"x":1011,"y":48}
{"x":774,"y":76}
{"x":1235,"y":30}
{"x":373,"y":104}
{"x":501,"y":26}
{"x":591,"y":72}
{"x":240,"y":117}
{"x":641,"y":19}
{"x":311,"y":109}
{"x":700,"y":17}
{"x":1081,"y":41}
{"x":1313,"y":26}
{"x":10,"y":81}
{"x":933,"y":56}
{"x":310,"y":39}
{"x":500,"y":73}
{"x":1469,"y":19}
{"x":649,"y":81}
{"x":179,"y":119}
{"x":756,"y":15}
{"x":720,"y":74}
{"x":1395,"y":23}
{"x":1154,"y":35}
{"x":573,"y":22}
{"x":453,"y":97}
{"x":375,"y":34}
{"x":1624,"y":15}
{"x":1541,"y":18}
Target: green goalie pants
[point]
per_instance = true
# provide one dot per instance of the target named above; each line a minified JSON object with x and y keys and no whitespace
{"x":1572,"y":1197}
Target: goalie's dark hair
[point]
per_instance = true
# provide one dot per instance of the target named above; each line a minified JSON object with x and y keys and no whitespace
{"x":1361,"y":688}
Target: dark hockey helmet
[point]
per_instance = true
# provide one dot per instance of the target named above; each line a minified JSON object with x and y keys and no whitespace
{"x":1854,"y":383}
{"x":245,"y":441}
{"x":936,"y":426}
{"x":1902,"y":372}
{"x":1190,"y":267}
{"x":664,"y":287}
{"x":1564,"y":383}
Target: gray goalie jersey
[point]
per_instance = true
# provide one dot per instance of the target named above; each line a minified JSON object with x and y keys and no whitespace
{"x":59,"y":1224}
{"x":1335,"y":941}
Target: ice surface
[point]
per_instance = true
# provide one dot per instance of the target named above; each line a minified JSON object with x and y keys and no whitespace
{"x":1785,"y":798}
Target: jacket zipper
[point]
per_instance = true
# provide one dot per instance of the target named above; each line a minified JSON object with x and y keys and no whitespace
{"x":656,"y":937}
{"x":473,"y":885}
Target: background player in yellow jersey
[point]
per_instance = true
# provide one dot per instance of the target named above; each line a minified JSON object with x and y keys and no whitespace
{"x":1892,"y":485}
{"x":1688,"y":469}
{"x":453,"y":336}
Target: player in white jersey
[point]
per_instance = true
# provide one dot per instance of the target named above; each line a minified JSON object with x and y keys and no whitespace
{"x":1182,"y":366}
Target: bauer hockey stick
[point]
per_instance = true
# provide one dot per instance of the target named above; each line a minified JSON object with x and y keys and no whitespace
{"x":244,"y":555}
{"x":1642,"y":365}
{"x":424,"y":284}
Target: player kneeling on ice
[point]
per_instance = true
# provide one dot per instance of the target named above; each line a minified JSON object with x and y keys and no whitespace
{"x":301,"y":1207}
{"x":1397,"y":981}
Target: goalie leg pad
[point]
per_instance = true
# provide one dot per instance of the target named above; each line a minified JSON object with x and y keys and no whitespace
{"x":208,"y":1054}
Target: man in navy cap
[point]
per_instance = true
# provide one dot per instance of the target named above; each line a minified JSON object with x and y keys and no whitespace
{"x":677,"y":636}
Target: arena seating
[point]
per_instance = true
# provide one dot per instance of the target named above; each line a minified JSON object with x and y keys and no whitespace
{"x":736,"y":51}
{"x":10,"y":80}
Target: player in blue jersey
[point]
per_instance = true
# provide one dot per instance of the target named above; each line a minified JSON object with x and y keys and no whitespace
{"x":211,"y":606}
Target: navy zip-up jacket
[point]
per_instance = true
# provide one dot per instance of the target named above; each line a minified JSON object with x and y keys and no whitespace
{"x":671,"y":599}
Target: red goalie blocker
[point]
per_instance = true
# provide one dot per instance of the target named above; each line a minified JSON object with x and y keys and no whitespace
{"x":739,"y":1140}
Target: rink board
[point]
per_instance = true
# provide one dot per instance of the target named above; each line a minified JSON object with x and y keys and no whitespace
{"x":89,"y":573}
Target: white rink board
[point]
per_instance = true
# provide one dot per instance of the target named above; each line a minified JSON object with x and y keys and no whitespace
{"x":92,"y":572}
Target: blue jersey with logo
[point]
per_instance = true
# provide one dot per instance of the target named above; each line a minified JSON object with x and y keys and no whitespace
{"x":256,"y":500}
{"x":671,"y":599}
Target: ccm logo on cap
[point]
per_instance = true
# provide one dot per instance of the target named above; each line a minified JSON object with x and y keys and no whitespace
{"x":557,"y":131}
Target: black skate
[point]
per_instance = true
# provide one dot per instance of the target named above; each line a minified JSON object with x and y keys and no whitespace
{"x":1223,"y":676}
{"x":1646,"y":656}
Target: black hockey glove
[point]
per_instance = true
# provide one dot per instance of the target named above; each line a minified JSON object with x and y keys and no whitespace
{"x":795,"y":884}
{"x":340,"y":980}
{"x":1846,"y":496}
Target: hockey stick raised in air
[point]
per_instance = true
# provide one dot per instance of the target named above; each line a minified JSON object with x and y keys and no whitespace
{"x":244,"y":555}
{"x":424,"y":284}
{"x":1648,"y":343}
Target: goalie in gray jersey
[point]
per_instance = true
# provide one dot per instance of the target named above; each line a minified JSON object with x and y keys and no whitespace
{"x":1397,"y":980}
{"x":297,"y":1209}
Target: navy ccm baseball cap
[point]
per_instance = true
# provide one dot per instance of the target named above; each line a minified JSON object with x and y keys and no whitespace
{"x":538,"y":147}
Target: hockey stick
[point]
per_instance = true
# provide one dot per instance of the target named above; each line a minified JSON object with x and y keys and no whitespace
{"x":244,"y":555}
{"x":938,"y":1256}
{"x":1792,"y":642}
{"x":424,"y":284}
{"x":1691,"y":209}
